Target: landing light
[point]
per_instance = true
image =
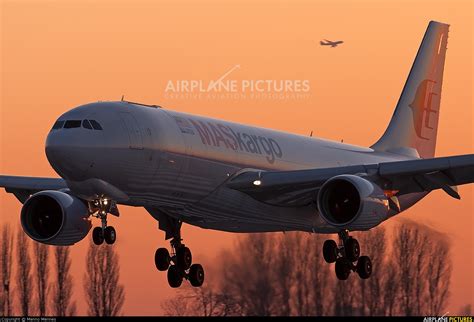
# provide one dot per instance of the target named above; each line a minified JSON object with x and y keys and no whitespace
{"x":257,"y":182}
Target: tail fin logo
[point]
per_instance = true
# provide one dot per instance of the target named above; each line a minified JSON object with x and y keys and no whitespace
{"x":421,"y":107}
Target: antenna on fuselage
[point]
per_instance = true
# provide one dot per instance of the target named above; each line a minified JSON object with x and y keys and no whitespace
{"x":311,"y":134}
{"x":123,"y":96}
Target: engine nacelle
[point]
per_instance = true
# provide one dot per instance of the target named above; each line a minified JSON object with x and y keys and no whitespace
{"x":55,"y":218}
{"x":352,"y":202}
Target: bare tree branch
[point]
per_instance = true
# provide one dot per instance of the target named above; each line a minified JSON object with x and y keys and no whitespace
{"x":104,"y":295}
{"x":6,"y":251}
{"x":24,"y":279}
{"x":62,"y":294}
{"x":438,"y":274}
{"x":373,"y":243}
{"x":41,"y":252}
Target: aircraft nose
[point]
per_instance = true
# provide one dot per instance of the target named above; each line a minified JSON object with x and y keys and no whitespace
{"x":67,"y":150}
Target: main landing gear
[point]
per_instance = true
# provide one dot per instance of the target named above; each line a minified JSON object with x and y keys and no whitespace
{"x":179,"y":264}
{"x":347,"y":257}
{"x":100,"y":208}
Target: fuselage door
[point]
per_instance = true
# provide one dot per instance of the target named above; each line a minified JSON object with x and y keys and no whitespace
{"x":133,"y":130}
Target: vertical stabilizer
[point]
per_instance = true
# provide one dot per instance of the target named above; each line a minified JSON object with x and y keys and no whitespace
{"x":414,"y":124}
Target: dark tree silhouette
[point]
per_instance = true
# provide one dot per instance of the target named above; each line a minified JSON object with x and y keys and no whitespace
{"x":62,"y":290}
{"x":320,"y":276}
{"x":403,"y":261}
{"x":303,"y":264}
{"x":248,"y":275}
{"x":439,"y":276}
{"x":283,"y":266}
{"x":346,"y":296}
{"x":423,"y":269}
{"x":180,"y":305}
{"x":371,"y":300}
{"x":104,"y":295}
{"x":207,"y":301}
{"x":390,"y":295}
{"x":24,"y":280}
{"x":6,"y":251}
{"x":309,"y":274}
{"x":201,"y":301}
{"x":41,"y":252}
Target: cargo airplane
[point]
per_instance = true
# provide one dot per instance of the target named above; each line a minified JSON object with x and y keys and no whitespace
{"x":220,"y":175}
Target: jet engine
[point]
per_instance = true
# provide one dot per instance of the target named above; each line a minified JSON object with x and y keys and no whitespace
{"x":352,"y":202}
{"x":55,"y":218}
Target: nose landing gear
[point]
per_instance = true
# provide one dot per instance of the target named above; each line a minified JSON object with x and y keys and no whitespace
{"x":99,"y":209}
{"x":347,"y":257}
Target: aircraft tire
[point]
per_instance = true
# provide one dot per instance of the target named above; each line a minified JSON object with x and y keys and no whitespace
{"x":343,"y":269}
{"x":98,"y":236}
{"x":330,"y":251}
{"x":175,"y":277}
{"x":184,"y":257}
{"x":352,"y":249}
{"x":110,"y":235}
{"x":364,"y":267}
{"x":196,"y":275}
{"x":162,"y":259}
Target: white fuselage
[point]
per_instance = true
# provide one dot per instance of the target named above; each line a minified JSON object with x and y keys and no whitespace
{"x":179,"y":163}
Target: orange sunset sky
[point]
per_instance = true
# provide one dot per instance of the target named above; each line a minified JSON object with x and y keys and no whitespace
{"x":56,"y":55}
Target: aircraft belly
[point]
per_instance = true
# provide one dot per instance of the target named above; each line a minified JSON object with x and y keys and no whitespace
{"x":182,"y":180}
{"x":230,"y":210}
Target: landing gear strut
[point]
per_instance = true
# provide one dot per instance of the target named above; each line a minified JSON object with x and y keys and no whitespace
{"x":100,"y":208}
{"x":179,"y":263}
{"x":347,"y":257}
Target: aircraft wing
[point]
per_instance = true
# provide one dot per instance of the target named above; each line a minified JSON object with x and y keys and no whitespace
{"x":299,"y":187}
{"x":23,"y":187}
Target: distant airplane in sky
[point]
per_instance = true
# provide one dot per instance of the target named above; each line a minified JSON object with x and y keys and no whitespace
{"x":331,"y":43}
{"x":220,"y":175}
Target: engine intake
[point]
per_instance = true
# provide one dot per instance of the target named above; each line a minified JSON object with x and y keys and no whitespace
{"x":55,"y":218}
{"x":352,"y":202}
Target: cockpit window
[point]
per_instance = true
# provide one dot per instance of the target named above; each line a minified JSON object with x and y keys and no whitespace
{"x":95,"y":125}
{"x":58,"y":125}
{"x":86,"y":124}
{"x":72,"y":124}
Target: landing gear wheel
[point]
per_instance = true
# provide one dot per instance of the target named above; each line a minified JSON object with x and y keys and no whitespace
{"x":110,"y":235}
{"x":162,"y":259}
{"x":364,"y":267}
{"x":98,"y":236}
{"x":184,"y":257}
{"x":330,"y":251}
{"x":343,"y":269}
{"x":196,"y":275}
{"x":175,"y":277}
{"x":352,"y":249}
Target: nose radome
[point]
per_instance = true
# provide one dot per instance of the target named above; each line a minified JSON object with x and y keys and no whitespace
{"x":69,"y":151}
{"x":64,"y":156}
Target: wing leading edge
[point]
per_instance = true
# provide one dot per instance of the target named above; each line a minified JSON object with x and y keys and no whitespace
{"x":298,"y":188}
{"x":23,"y":187}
